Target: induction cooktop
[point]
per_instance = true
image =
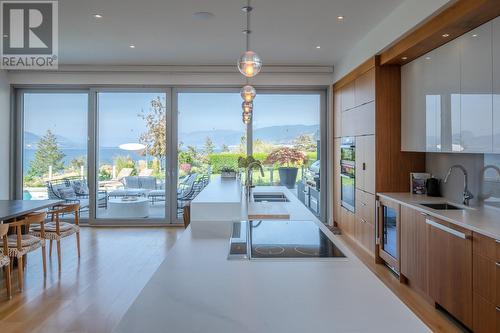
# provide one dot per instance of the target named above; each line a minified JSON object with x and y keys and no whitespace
{"x":279,"y":239}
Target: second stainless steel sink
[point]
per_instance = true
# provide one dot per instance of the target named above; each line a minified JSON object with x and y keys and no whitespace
{"x":442,"y":206}
{"x":270,"y":197}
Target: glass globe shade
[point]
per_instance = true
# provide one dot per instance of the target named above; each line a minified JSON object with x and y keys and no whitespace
{"x":249,"y":64}
{"x":248,"y":93}
{"x":247,"y":107}
{"x":247,"y":117}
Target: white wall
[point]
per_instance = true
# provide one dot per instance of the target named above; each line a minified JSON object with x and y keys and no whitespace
{"x":401,"y":20}
{"x":4,"y":134}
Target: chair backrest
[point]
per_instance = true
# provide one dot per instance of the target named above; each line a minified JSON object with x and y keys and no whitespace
{"x":53,"y":188}
{"x":131,"y":182}
{"x":147,"y":182}
{"x":125,"y":172}
{"x":4,"y":228}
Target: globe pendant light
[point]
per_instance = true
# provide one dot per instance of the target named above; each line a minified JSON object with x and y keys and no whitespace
{"x":248,"y":93}
{"x":247,"y":117}
{"x":247,"y":107}
{"x":249,"y":64}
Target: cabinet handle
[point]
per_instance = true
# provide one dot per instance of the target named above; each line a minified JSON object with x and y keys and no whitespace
{"x":498,"y":264}
{"x":447,"y":229}
{"x":498,"y":309}
{"x":364,"y":166}
{"x":363,"y":220}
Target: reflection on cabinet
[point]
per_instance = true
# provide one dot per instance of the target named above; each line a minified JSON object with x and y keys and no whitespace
{"x":486,"y":284}
{"x":348,"y":97}
{"x":450,"y":268}
{"x":496,"y":84}
{"x":414,"y":248}
{"x":365,"y":163}
{"x":476,"y":89}
{"x":359,"y":120}
{"x":447,"y":102}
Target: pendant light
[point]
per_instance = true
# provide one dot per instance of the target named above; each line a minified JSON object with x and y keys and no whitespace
{"x":249,"y":64}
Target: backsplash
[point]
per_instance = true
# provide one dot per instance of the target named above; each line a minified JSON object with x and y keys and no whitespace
{"x":486,"y":189}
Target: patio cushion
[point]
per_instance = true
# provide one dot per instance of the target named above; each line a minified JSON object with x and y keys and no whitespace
{"x":51,"y":227}
{"x":80,"y":187}
{"x":26,"y":240}
{"x":54,"y":190}
{"x":148,"y":183}
{"x":156,"y":193}
{"x":67,"y":193}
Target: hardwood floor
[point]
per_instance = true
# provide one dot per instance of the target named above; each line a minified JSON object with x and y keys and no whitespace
{"x":90,"y":294}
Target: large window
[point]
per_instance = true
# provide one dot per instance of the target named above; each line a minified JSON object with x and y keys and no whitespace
{"x":132,"y":141}
{"x":288,"y":125}
{"x":211,"y":138}
{"x":54,"y":141}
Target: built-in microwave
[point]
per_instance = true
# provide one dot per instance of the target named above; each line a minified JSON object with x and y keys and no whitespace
{"x":348,"y":173}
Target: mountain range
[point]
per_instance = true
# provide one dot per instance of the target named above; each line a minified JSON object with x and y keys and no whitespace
{"x":273,"y":134}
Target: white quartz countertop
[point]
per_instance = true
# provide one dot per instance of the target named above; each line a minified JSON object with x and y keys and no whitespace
{"x":196,"y":289}
{"x":483,"y":220}
{"x":220,"y":190}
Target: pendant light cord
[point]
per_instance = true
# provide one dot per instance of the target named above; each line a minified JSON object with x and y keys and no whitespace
{"x":248,"y":31}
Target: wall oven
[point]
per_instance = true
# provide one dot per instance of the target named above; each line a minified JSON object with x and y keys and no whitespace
{"x":348,"y":172}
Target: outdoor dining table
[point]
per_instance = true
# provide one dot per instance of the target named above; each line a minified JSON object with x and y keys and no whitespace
{"x":10,"y":209}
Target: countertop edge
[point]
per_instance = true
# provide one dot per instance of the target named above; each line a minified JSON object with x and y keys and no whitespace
{"x":436,"y":214}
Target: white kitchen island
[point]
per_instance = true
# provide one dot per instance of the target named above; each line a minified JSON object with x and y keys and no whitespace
{"x":196,"y":289}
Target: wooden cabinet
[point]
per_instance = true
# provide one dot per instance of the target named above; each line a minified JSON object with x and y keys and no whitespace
{"x":450,"y":268}
{"x":364,"y":88}
{"x":348,"y":100}
{"x":359,"y":120}
{"x":365,"y":163}
{"x":476,"y":90}
{"x":337,"y":114}
{"x":486,"y":284}
{"x":336,"y":181}
{"x":414,"y":248}
{"x":365,"y":220}
{"x":496,"y":84}
{"x":347,"y":222}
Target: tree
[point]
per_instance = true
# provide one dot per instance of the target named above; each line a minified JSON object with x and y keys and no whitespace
{"x":225,"y":148}
{"x":155,"y":137}
{"x":304,"y":142}
{"x":47,"y":154}
{"x":209,"y":146}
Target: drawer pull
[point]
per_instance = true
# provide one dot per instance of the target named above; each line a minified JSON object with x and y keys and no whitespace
{"x":498,"y":264}
{"x":446,"y":229}
{"x":363,"y":220}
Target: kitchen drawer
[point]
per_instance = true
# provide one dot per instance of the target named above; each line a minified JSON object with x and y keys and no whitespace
{"x":365,"y":206}
{"x":486,"y":247}
{"x":486,"y":279}
{"x":486,"y":316}
{"x":347,"y":222}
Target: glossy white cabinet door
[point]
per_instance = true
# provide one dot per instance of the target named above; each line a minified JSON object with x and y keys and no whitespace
{"x":413,"y":123}
{"x":443,"y":113}
{"x":476,"y":90}
{"x":496,"y":84}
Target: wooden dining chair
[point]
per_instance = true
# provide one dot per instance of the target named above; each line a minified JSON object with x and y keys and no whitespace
{"x":4,"y":259}
{"x":19,"y":244}
{"x":57,"y":230}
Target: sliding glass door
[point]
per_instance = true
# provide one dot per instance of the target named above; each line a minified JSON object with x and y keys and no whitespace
{"x":131,"y":153}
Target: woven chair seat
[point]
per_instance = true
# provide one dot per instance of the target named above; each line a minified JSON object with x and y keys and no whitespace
{"x":4,"y":260}
{"x":29,"y":243}
{"x":66,"y":229}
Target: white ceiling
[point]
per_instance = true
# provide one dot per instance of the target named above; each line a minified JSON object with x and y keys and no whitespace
{"x":285,"y":32}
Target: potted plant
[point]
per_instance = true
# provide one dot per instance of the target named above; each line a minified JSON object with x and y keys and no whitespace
{"x":289,"y":159}
{"x":227,"y":172}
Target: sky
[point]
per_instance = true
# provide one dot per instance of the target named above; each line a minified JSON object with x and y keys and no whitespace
{"x":66,"y":113}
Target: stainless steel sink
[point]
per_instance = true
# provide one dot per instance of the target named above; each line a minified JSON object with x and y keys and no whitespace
{"x":442,"y":206}
{"x":270,"y":197}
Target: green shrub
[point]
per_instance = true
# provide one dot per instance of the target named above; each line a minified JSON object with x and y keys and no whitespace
{"x":221,"y":160}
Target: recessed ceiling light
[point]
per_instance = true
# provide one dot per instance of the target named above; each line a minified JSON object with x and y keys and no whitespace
{"x":132,"y":46}
{"x":475,"y":35}
{"x":203,"y":15}
{"x":427,"y":58}
{"x":97,"y":16}
{"x":446,"y":35}
{"x":404,"y":58}
{"x":340,"y":17}
{"x":318,"y":47}
{"x":5,"y":36}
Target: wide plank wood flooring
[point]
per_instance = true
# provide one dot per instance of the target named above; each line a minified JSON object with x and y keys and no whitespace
{"x":90,"y":294}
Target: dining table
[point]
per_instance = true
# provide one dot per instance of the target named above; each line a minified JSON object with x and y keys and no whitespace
{"x":10,"y":209}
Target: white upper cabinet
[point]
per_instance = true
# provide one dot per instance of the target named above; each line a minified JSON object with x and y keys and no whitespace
{"x":447,"y":101}
{"x":496,"y":84}
{"x":476,"y":90}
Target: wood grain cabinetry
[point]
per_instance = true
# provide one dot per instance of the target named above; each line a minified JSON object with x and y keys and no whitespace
{"x":450,"y":268}
{"x":365,"y":163}
{"x":336,"y":181}
{"x":359,"y":120}
{"x":486,"y":284}
{"x":365,"y":221}
{"x":347,"y":222}
{"x":414,"y":248}
{"x":348,"y":100}
{"x":364,"y":85}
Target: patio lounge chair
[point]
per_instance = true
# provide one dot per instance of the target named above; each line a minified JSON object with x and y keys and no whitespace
{"x":186,"y":183}
{"x":138,"y":186}
{"x":190,"y":193}
{"x":74,"y":190}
